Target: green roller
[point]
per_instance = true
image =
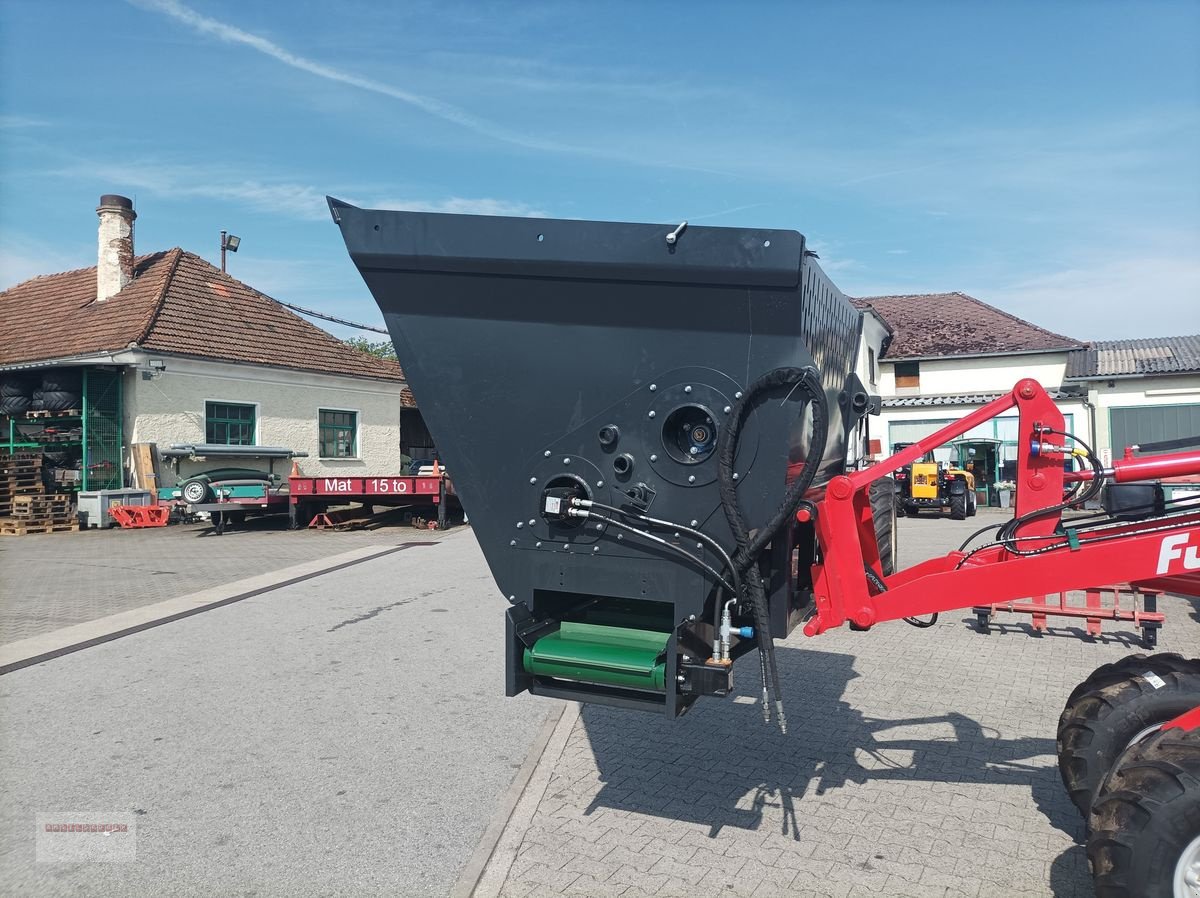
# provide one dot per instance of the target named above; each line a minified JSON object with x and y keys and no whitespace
{"x":608,"y":656}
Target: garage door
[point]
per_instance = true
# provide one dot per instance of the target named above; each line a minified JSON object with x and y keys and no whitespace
{"x":1149,"y":424}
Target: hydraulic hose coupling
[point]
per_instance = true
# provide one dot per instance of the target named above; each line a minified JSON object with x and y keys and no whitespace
{"x":727,"y":632}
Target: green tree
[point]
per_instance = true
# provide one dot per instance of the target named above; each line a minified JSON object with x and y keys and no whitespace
{"x":382,"y":349}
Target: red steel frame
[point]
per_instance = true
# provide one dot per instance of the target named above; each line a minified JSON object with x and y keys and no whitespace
{"x":1161,"y":553}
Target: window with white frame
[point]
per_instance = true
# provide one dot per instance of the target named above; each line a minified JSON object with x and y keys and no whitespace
{"x":338,"y":433}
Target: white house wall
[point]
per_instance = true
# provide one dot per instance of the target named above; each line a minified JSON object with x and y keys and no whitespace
{"x":170,"y":409}
{"x":989,"y":374}
{"x":1137,"y":392}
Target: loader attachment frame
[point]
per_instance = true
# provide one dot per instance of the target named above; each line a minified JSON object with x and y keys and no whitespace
{"x":1039,"y":555}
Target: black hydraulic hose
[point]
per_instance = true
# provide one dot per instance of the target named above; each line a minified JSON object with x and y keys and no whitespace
{"x":733,"y":574}
{"x":748,"y":550}
{"x":1007,"y":532}
{"x":682,"y":528}
{"x":809,"y":380}
{"x":881,"y":586}
{"x":699,"y":562}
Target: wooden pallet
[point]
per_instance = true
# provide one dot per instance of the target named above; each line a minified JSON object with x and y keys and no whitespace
{"x":64,"y":413}
{"x":13,"y":527}
{"x":48,"y":508}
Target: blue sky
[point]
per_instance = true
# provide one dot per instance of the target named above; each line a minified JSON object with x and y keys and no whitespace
{"x":1043,"y":157}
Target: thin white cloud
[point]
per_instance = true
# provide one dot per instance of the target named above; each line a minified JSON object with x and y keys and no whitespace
{"x":180,"y":181}
{"x":1132,"y":296}
{"x":432,"y":106}
{"x":21,"y":122}
{"x":22,"y":258}
{"x":725,"y":212}
{"x":465,"y":206}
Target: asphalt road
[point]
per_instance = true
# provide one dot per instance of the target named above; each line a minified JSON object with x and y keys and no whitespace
{"x":344,"y":735}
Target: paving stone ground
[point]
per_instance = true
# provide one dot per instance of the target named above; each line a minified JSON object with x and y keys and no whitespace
{"x":50,"y":581}
{"x":919,"y":763}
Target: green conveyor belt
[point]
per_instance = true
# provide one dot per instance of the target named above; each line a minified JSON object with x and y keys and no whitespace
{"x":609,"y":656}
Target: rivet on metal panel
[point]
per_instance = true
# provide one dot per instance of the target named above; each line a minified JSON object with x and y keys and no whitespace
{"x":538,"y":544}
{"x":533,"y":480}
{"x":512,"y":542}
{"x":735,"y":475}
{"x":728,"y":409}
{"x":651,"y":413}
{"x":532,"y":521}
{"x":737,"y":395}
{"x":566,"y":461}
{"x":693,"y":523}
{"x":653,"y":458}
{"x":688,"y":388}
{"x":546,"y":453}
{"x":691,"y":478}
{"x":653,"y":387}
{"x":599,"y":483}
{"x":520,"y":524}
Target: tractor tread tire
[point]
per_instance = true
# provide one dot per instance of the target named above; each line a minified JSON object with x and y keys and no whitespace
{"x":59,"y":400}
{"x":1123,"y":668}
{"x":1098,"y":726}
{"x":882,"y":493}
{"x":958,"y":507}
{"x":1146,"y":815}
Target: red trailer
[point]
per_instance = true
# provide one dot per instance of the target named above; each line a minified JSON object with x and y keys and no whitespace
{"x":313,"y":496}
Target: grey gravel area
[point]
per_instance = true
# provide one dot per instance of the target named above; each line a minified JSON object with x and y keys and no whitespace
{"x":347,"y":735}
{"x":919,"y":763}
{"x":50,"y":581}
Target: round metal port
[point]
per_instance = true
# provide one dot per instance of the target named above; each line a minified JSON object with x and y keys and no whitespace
{"x":608,"y":435}
{"x":563,"y":488}
{"x":623,"y":465}
{"x":690,"y":434}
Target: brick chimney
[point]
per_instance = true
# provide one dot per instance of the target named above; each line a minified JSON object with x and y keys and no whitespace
{"x":114,"y":267}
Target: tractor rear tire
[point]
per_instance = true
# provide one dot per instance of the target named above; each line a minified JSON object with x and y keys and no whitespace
{"x":882,"y":493}
{"x":1145,"y":824}
{"x":1103,"y":720}
{"x":972,"y":505}
{"x":958,"y":507}
{"x":1126,"y":667}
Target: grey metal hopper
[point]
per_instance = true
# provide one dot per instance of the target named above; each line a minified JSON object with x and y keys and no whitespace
{"x":603,"y":358}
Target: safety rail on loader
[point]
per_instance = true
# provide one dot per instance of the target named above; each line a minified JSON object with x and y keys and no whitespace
{"x":648,"y":427}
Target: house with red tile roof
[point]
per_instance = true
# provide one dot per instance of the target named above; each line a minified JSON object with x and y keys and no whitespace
{"x":167,"y":348}
{"x":949,"y":353}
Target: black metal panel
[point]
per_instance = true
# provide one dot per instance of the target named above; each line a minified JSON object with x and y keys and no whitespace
{"x":524,"y":338}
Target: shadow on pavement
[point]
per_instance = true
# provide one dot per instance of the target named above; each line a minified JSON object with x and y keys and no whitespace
{"x":700,"y":768}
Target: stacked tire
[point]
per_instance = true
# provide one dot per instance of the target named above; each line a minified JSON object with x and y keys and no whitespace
{"x":16,"y":393}
{"x":62,"y":389}
{"x":56,"y":390}
{"x":1136,"y":783}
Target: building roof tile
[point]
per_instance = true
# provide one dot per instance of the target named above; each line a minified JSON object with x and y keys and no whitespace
{"x":176,"y":303}
{"x":1123,"y":358}
{"x":926,"y":325}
